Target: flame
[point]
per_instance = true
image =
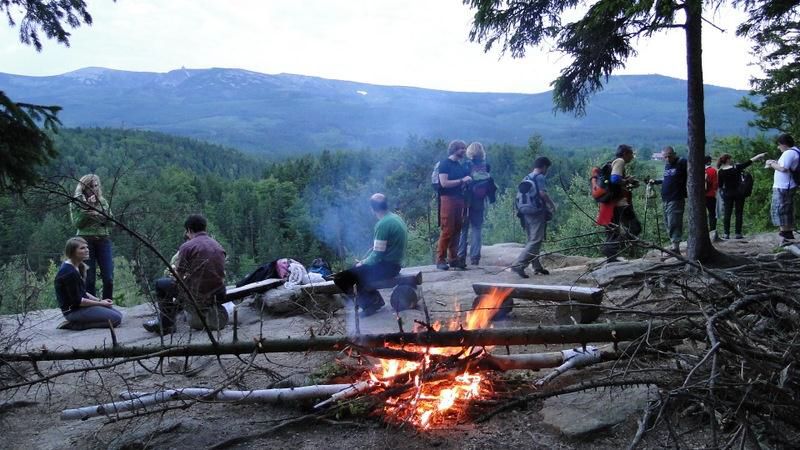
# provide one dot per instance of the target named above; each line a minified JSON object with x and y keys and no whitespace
{"x":432,"y":402}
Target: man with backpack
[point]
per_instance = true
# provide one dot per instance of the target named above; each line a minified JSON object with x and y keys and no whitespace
{"x":453,"y":179}
{"x":785,"y":181}
{"x":534,"y":208}
{"x":673,"y":195}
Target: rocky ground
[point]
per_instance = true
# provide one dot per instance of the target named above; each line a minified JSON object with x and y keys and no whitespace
{"x":604,"y":418}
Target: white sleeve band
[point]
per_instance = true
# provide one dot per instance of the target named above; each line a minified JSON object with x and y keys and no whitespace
{"x":379,"y":246}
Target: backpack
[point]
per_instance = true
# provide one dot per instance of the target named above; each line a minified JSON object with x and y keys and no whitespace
{"x":745,"y":188}
{"x":482,"y":183}
{"x":796,"y":172}
{"x":435,"y":178}
{"x":321,"y":267}
{"x":527,"y":201}
{"x":600,"y":184}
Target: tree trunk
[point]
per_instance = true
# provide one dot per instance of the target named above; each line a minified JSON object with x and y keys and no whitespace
{"x":559,"y":334}
{"x":699,"y":243}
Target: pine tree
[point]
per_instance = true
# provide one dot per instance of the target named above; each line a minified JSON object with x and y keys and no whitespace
{"x":598,"y":43}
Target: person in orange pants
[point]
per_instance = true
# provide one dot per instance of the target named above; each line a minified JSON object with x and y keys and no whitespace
{"x":453,"y":178}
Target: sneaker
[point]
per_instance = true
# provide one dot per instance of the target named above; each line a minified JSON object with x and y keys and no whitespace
{"x":726,"y":236}
{"x":542,"y":271}
{"x":458,"y":264}
{"x":738,"y":236}
{"x":154,"y":326}
{"x":442,"y":266}
{"x":372,"y":309}
{"x":520,"y":271}
{"x":475,"y":261}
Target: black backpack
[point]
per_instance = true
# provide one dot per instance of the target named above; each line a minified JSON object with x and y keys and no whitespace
{"x":745,"y":188}
{"x":796,"y":172}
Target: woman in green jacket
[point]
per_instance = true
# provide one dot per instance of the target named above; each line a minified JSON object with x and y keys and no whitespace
{"x":90,"y":215}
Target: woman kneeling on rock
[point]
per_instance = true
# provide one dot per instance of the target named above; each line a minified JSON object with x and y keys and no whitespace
{"x":81,"y":309}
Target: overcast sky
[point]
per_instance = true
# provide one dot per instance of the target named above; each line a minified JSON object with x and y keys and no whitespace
{"x":420,"y":43}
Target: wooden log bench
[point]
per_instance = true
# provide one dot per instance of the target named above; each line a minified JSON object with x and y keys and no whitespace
{"x":319,"y":296}
{"x":579,"y":304}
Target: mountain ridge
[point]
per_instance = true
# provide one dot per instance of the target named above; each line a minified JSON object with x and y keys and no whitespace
{"x":289,"y":114}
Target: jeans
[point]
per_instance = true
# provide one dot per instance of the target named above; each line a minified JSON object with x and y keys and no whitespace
{"x":100,"y":254}
{"x":711,"y":207}
{"x":362,"y":276}
{"x":536,"y":229}
{"x":471,"y":233}
{"x":94,"y":317}
{"x":731,"y":205}
{"x":170,"y":300}
{"x":451,"y":217}
{"x":673,"y":219}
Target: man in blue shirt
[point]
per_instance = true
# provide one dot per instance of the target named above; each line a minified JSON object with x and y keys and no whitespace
{"x":673,"y":195}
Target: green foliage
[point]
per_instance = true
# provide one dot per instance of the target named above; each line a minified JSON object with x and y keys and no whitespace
{"x":24,"y":147}
{"x":775,"y":29}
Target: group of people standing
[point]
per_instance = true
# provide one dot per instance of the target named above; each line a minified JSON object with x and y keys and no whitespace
{"x":728,"y":182}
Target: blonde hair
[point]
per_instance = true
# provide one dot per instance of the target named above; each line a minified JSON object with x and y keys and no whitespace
{"x":83,"y":185}
{"x":476,"y":151}
{"x":73,"y":244}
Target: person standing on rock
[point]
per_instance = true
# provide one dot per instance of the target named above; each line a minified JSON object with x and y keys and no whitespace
{"x":453,"y":179}
{"x":90,"y":214}
{"x":729,"y":175}
{"x":617,"y":215}
{"x":673,"y":195}
{"x":712,"y":183}
{"x":201,"y":266}
{"x":534,"y":219}
{"x":784,"y":186}
{"x":481,"y":190}
{"x":383,"y":262}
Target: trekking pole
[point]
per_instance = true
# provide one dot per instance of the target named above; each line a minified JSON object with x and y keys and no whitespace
{"x":646,"y":205}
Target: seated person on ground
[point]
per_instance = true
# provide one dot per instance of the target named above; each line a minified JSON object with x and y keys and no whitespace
{"x":383,"y":262}
{"x":201,"y":266}
{"x":81,"y":309}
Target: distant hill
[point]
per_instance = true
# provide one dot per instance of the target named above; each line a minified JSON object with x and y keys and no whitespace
{"x":289,"y":114}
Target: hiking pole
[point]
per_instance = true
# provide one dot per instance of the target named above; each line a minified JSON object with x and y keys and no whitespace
{"x":646,"y":205}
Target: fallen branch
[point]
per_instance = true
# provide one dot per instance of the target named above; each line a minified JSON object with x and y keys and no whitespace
{"x":204,"y":394}
{"x":561,"y":334}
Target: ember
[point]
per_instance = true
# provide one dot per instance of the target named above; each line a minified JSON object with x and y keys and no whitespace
{"x":441,"y":387}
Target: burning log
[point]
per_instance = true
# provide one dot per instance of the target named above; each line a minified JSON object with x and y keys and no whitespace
{"x":557,"y":334}
{"x":580,"y":302}
{"x":133,"y":403}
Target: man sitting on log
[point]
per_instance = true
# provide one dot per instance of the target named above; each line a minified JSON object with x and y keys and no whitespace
{"x":201,"y":266}
{"x":383,"y":262}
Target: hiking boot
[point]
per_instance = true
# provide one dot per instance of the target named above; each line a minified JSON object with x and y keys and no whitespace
{"x":475,"y":261}
{"x":541,"y":271}
{"x":787,"y":235}
{"x":738,"y":236}
{"x":519,"y":271}
{"x":726,"y":236}
{"x":154,"y":326}
{"x":458,"y":264}
{"x":372,"y":308}
{"x":442,"y":266}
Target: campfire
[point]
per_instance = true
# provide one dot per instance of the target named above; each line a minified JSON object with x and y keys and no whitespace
{"x":442,"y":385}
